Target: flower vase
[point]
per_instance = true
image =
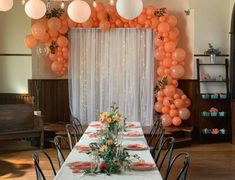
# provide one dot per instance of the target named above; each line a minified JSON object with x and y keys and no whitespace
{"x":213,"y":58}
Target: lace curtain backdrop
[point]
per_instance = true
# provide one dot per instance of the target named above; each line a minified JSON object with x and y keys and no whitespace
{"x":115,"y":66}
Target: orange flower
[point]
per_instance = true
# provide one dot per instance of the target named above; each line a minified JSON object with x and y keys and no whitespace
{"x":110,"y":142}
{"x":109,"y":120}
{"x":103,"y":148}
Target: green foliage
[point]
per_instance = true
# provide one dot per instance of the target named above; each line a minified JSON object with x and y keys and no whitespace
{"x":212,"y":50}
{"x":53,"y":47}
{"x":161,"y":84}
{"x":160,"y":12}
{"x":55,"y":12}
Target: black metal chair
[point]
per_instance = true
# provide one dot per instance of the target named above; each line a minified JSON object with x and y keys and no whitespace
{"x":182,"y":175}
{"x":73,"y":135}
{"x":77,"y":123}
{"x":164,"y":154}
{"x":58,"y":145}
{"x":39,"y":173}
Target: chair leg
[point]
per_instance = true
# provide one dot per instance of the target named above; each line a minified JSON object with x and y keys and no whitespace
{"x":42,"y":140}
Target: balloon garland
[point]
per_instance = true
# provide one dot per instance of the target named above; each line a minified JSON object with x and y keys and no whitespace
{"x":172,"y":103}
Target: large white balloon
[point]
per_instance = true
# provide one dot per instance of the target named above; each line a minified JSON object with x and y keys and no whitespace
{"x":79,"y":11}
{"x":35,"y":9}
{"x":6,"y":5}
{"x":129,"y":9}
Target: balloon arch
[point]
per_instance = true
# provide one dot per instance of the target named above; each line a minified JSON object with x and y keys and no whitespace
{"x":172,"y":103}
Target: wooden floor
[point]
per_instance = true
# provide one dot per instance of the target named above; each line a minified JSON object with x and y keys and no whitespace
{"x":208,"y":161}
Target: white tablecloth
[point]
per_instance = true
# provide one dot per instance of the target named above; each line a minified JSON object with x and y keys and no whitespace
{"x":65,"y":172}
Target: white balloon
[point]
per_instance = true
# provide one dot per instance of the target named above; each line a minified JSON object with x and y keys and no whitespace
{"x":129,"y":9}
{"x":79,"y":11}
{"x":6,"y":5}
{"x":35,"y":9}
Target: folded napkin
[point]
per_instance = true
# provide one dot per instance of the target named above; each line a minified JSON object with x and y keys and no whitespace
{"x":83,"y":148}
{"x":81,"y":165}
{"x":90,"y":134}
{"x":97,"y":126}
{"x":134,"y":133}
{"x":132,"y":125}
{"x":142,"y":166}
{"x":136,"y":147}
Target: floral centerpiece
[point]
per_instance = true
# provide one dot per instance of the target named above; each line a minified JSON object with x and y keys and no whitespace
{"x":112,"y":156}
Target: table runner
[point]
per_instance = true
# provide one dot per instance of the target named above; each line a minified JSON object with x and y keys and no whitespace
{"x":65,"y":173}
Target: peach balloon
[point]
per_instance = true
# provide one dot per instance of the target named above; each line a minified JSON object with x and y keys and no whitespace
{"x":150,"y":10}
{"x":159,"y":55}
{"x":177,"y":71}
{"x":52,"y":57}
{"x":179,"y":103}
{"x":45,"y":38}
{"x":179,"y":54}
{"x":170,"y":46}
{"x":176,"y":96}
{"x":63,"y":29}
{"x":158,"y":107}
{"x":56,"y":66}
{"x":142,"y":19}
{"x":54,"y":23}
{"x":183,"y":97}
{"x":166,"y":120}
{"x":30,"y":41}
{"x":172,"y":21}
{"x":160,"y":93}
{"x":179,"y":92}
{"x":163,"y":27}
{"x":53,"y":33}
{"x":71,"y":23}
{"x":165,"y":109}
{"x":173,"y":113}
{"x":160,"y":71}
{"x":172,"y":35}
{"x":154,"y":23}
{"x":169,"y":90}
{"x":167,"y":62}
{"x":184,"y":113}
{"x":38,"y":30}
{"x":187,"y":102}
{"x":167,"y":101}
{"x":62,"y":41}
{"x":104,"y":25}
{"x":102,"y":15}
{"x":176,"y":121}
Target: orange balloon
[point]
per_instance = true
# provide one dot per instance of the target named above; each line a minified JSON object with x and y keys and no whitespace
{"x":176,"y":96}
{"x":176,"y":121}
{"x":169,"y":90}
{"x":184,"y":113}
{"x":104,"y":25}
{"x":71,"y":23}
{"x":170,"y":46}
{"x":172,"y":21}
{"x":62,"y":41}
{"x":102,"y":15}
{"x":179,"y":92}
{"x":52,"y":57}
{"x":54,"y":23}
{"x":159,"y":54}
{"x":158,"y":107}
{"x":63,"y":29}
{"x":165,"y":110}
{"x":53,"y":33}
{"x":30,"y":41}
{"x":163,"y":27}
{"x":45,"y":38}
{"x":167,"y":62}
{"x":56,"y":66}
{"x":179,"y":54}
{"x":160,"y":93}
{"x":38,"y":30}
{"x":167,"y":101}
{"x":142,"y":18}
{"x":166,"y":120}
{"x":187,"y":102}
{"x":150,"y":10}
{"x":177,"y":71}
{"x":154,"y":23}
{"x":179,"y":103}
{"x":173,"y":113}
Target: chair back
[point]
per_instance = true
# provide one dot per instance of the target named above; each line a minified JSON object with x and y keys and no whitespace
{"x":58,"y":145}
{"x":73,"y":135}
{"x":152,"y":132}
{"x":164,"y":153}
{"x":77,"y":124}
{"x":39,"y":173}
{"x":182,"y":175}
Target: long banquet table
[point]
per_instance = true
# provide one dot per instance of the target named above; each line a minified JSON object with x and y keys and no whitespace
{"x":65,"y":173}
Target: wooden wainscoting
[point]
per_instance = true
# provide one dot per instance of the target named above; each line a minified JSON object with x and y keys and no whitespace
{"x":233,"y":120}
{"x":53,"y":98}
{"x":14,"y":98}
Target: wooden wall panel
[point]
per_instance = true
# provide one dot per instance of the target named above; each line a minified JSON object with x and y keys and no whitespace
{"x":53,"y":98}
{"x":13,"y":98}
{"x":233,"y":120}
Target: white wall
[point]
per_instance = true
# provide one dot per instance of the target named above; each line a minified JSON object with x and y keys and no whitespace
{"x":14,"y":70}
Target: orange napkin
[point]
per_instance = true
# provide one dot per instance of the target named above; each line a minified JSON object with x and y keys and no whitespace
{"x":79,"y":165}
{"x":142,"y":166}
{"x":136,"y":147}
{"x":96,"y":126}
{"x":90,"y":134}
{"x":132,"y":126}
{"x":134,"y":133}
{"x":82,"y":148}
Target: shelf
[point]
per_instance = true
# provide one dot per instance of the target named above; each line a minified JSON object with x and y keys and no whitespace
{"x":214,"y":64}
{"x":202,"y":81}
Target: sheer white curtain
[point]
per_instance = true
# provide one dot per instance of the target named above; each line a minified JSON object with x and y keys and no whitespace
{"x":115,"y":66}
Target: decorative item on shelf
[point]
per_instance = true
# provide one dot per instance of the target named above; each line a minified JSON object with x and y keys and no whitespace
{"x":206,"y":131}
{"x":215,"y":131}
{"x":206,"y":76}
{"x":219,"y":78}
{"x":212,"y":52}
{"x":222,"y":131}
{"x":205,"y":96}
{"x":213,"y":111}
{"x":205,"y":113}
{"x":222,"y":114}
{"x":214,"y":96}
{"x":223,"y":96}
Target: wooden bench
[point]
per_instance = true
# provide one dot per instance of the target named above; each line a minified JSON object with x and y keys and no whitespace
{"x":17,"y":121}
